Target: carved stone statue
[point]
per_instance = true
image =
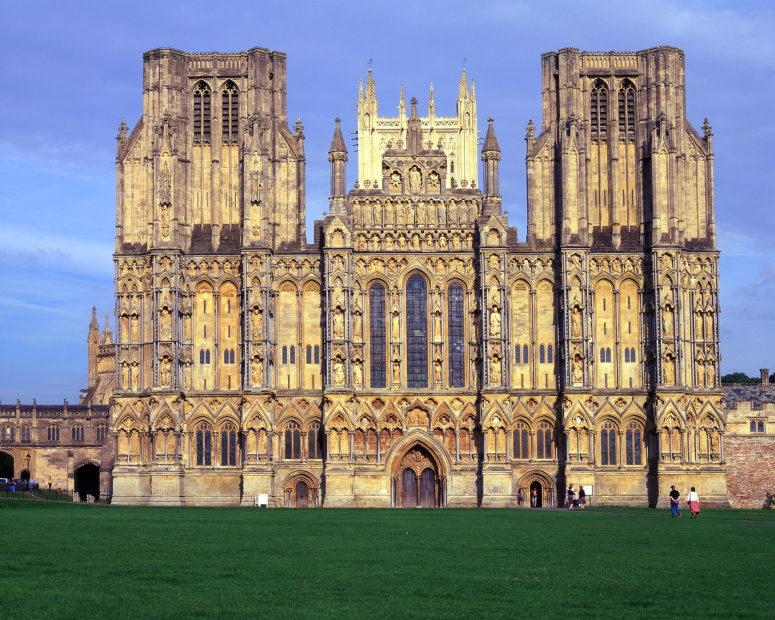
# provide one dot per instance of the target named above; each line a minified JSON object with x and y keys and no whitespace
{"x":255,"y":324}
{"x":437,"y":371}
{"x":495,"y":322}
{"x":358,"y":373}
{"x":338,"y":323}
{"x":134,"y":322}
{"x":578,"y":370}
{"x":395,"y":325}
{"x":396,"y":372}
{"x":358,"y":327}
{"x":187,"y":375}
{"x":667,"y":321}
{"x":338,"y":372}
{"x":495,"y":370}
{"x":415,"y":180}
{"x":668,"y":370}
{"x":135,"y":376}
{"x":257,"y":372}
{"x":125,"y":376}
{"x":165,"y":371}
{"x":165,"y":323}
{"x":575,"y":322}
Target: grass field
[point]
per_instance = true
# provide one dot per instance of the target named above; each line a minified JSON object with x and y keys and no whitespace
{"x":102,"y":561}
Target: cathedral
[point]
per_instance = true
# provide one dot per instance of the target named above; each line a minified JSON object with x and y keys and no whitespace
{"x":416,"y":353}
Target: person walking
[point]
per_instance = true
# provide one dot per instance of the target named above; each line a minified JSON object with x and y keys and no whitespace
{"x":50,"y":481}
{"x":533,"y":498}
{"x":675,"y":507}
{"x":582,"y":497}
{"x":520,"y":498}
{"x":571,"y":496}
{"x":694,"y":503}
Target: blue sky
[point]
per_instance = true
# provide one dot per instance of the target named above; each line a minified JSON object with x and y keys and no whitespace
{"x":73,"y":70}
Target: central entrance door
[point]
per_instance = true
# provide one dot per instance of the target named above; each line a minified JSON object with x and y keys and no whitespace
{"x":536,"y":494}
{"x":302,"y":492}
{"x":419,"y":480}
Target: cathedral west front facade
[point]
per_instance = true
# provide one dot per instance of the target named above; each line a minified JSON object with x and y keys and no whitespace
{"x":416,"y":353}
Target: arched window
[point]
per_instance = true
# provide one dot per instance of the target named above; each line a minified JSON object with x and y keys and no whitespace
{"x":599,"y":110}
{"x":456,"y":336}
{"x":416,"y":333}
{"x":632,"y":355}
{"x":27,"y":433}
{"x":518,"y":354}
{"x":541,"y":354}
{"x":608,"y":354}
{"x":626,"y":101}
{"x":608,"y":444}
{"x":8,"y":433}
{"x":204,"y":448}
{"x":102,"y":433}
{"x":314,"y":442}
{"x":549,"y":354}
{"x":229,"y":112}
{"x":309,"y":354}
{"x":201,"y":356}
{"x":225,"y":356}
{"x":207,"y":356}
{"x":231,"y":356}
{"x":292,"y":441}
{"x":602,"y":354}
{"x":228,"y":445}
{"x":633,"y":440}
{"x":377,"y":345}
{"x":285,"y":355}
{"x":76,"y":433}
{"x":626,"y":354}
{"x":544,"y":440}
{"x":53,"y":433}
{"x":524,"y":354}
{"x":317,"y":354}
{"x":293,"y":354}
{"x":201,"y":113}
{"x":521,"y":438}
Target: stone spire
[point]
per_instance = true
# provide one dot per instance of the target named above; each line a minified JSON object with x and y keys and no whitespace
{"x":431,"y":103}
{"x":107,"y":335}
{"x":414,"y":133}
{"x":491,"y":155}
{"x":337,"y":155}
{"x":490,"y":141}
{"x":93,"y":346}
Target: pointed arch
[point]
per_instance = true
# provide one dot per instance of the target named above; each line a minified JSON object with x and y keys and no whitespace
{"x":599,"y":110}
{"x":229,"y":112}
{"x":202,"y":112}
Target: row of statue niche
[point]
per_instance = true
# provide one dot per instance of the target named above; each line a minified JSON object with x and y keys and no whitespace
{"x":130,"y":370}
{"x":456,"y":241}
{"x":404,"y":213}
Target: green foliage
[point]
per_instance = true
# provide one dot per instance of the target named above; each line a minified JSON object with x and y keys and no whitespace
{"x":738,"y":377}
{"x":107,"y":561}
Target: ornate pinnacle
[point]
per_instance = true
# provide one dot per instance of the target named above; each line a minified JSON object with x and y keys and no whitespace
{"x":706,"y":129}
{"x":530,"y":130}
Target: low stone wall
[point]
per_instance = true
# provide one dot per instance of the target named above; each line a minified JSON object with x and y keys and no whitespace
{"x":750,"y":470}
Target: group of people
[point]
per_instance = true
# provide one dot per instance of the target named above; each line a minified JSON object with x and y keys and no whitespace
{"x":692,"y":500}
{"x":576,"y":500}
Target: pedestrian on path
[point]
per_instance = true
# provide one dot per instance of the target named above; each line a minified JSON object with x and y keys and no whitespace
{"x":571,"y":496}
{"x":675,"y":507}
{"x":694,"y":503}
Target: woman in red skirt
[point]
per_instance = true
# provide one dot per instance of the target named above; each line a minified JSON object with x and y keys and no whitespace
{"x":694,"y":503}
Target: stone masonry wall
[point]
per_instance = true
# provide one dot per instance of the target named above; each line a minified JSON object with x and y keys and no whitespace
{"x":750,"y":470}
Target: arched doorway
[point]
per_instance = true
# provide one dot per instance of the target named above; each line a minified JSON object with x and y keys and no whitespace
{"x":87,"y":481}
{"x":418,"y":483}
{"x":6,"y":465}
{"x":302,"y":494}
{"x":536,"y":494}
{"x":301,"y":490}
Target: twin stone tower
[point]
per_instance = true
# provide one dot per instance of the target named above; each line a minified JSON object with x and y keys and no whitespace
{"x":416,"y":353}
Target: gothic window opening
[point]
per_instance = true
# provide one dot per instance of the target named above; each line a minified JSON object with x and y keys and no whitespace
{"x":201,"y":113}
{"x":544,"y":440}
{"x":456,"y":336}
{"x":228,"y":445}
{"x":541,"y":355}
{"x":549,"y":354}
{"x":377,"y":336}
{"x":524,"y":354}
{"x":76,"y":433}
{"x":608,"y":444}
{"x":599,"y":110}
{"x":53,"y":433}
{"x":416,"y":332}
{"x":633,"y":440}
{"x":229,"y":113}
{"x":314,"y":442}
{"x":204,"y":448}
{"x":521,"y":438}
{"x":102,"y":433}
{"x":285,"y":355}
{"x":27,"y":433}
{"x":292,"y":354}
{"x":626,"y":105}
{"x":292,"y":441}
{"x":317,"y":354}
{"x":518,"y":354}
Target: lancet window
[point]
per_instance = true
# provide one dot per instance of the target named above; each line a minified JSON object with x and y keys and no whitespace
{"x":417,"y":332}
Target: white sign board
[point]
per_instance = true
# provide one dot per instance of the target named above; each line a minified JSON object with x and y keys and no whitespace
{"x":262,"y":500}
{"x":587,"y":489}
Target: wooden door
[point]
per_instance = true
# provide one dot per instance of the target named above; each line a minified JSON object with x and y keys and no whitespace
{"x":428,"y":488}
{"x":408,"y":489}
{"x":302,"y":493}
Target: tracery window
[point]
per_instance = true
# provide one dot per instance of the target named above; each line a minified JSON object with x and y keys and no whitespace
{"x":102,"y":432}
{"x":608,"y":444}
{"x":544,"y":440}
{"x":605,"y":354}
{"x":9,"y":433}
{"x":53,"y":433}
{"x":377,"y":331}
{"x":626,"y":107}
{"x":229,"y":112}
{"x":521,"y":441}
{"x":201,"y":113}
{"x":599,"y":110}
{"x":416,"y":332}
{"x":204,"y":356}
{"x":26,"y":433}
{"x":76,"y":433}
{"x":633,"y":439}
{"x":315,"y":441}
{"x":228,"y":445}
{"x":204,"y":447}
{"x":228,"y":356}
{"x":456,"y":336}
{"x":292,"y":441}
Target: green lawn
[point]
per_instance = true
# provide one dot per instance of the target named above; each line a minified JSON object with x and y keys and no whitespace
{"x":101,"y":561}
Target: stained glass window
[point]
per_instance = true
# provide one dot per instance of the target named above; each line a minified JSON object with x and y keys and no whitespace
{"x":608,"y":444}
{"x":416,"y":333}
{"x":377,"y":347}
{"x":633,"y":444}
{"x":456,"y":336}
{"x":521,"y":442}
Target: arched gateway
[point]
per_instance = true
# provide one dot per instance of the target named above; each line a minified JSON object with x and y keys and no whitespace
{"x":416,"y":480}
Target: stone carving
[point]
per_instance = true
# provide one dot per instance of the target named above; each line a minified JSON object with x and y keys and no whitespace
{"x":338,"y":372}
{"x":668,"y":370}
{"x":358,"y":373}
{"x":575,"y":322}
{"x":578,"y":370}
{"x":338,"y":323}
{"x":495,"y":322}
{"x":257,"y":371}
{"x":495,"y":370}
{"x":415,"y":180}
